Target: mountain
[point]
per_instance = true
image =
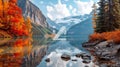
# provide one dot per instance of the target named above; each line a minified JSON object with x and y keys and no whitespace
{"x":40,"y":26}
{"x":80,"y":32}
{"x":71,"y":20}
{"x":75,"y":19}
{"x":67,"y":25}
{"x":32,"y":11}
{"x":52,"y":24}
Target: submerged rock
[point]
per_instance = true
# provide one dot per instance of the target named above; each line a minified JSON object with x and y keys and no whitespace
{"x":86,"y":66}
{"x":74,"y":59}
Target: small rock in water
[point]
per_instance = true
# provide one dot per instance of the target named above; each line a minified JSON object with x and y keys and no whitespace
{"x":86,"y":61}
{"x":86,"y":66}
{"x":79,"y":55}
{"x":65,"y":57}
{"x":74,"y":59}
{"x":47,"y":60}
{"x":86,"y":57}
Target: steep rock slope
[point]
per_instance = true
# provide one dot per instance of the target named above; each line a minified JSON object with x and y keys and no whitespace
{"x":40,"y":26}
{"x":32,"y":11}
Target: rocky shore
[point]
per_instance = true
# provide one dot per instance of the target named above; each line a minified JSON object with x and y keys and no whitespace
{"x":106,"y":53}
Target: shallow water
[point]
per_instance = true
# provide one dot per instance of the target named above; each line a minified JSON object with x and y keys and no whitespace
{"x":55,"y":52}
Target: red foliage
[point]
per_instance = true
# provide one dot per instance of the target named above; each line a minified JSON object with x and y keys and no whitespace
{"x":13,"y":18}
{"x":95,"y":36}
{"x":13,"y":1}
{"x":114,"y":35}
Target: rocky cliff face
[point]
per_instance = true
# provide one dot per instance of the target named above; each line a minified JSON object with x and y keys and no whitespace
{"x":30,"y":10}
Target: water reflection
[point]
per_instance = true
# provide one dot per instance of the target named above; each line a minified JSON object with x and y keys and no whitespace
{"x":32,"y":52}
{"x":37,"y":53}
{"x":63,"y":54}
{"x":13,"y":51}
{"x":22,"y":52}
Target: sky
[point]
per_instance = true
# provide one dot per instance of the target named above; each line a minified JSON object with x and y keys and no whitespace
{"x":56,"y":9}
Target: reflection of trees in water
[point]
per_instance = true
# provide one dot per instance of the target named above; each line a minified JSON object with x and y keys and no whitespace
{"x":1,"y":35}
{"x":12,"y":52}
{"x":35,"y":56}
{"x":22,"y":52}
{"x":39,"y":49}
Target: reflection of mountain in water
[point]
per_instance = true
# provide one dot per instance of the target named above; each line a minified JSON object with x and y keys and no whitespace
{"x":57,"y":49}
{"x":80,"y":32}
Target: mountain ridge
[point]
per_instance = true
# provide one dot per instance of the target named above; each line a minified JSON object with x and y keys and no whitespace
{"x":80,"y":32}
{"x":39,"y":24}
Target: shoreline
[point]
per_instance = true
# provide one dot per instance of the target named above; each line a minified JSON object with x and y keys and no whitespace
{"x":106,"y":53}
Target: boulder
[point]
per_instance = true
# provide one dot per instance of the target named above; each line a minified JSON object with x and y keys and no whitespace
{"x":86,"y":57}
{"x":102,"y":44}
{"x":90,"y":44}
{"x":65,"y":57}
{"x":86,"y":61}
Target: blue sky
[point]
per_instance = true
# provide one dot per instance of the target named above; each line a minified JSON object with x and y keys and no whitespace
{"x":56,"y":9}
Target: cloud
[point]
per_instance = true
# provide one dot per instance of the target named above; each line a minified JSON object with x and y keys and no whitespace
{"x":57,"y":11}
{"x":61,"y":10}
{"x":84,"y":7}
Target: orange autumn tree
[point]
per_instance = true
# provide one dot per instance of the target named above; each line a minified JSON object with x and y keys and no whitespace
{"x":18,"y":26}
{"x":3,"y":14}
{"x":28,"y":27}
{"x":11,"y":17}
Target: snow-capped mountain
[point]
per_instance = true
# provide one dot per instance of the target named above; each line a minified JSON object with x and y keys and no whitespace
{"x":67,"y":21}
{"x":73,"y":19}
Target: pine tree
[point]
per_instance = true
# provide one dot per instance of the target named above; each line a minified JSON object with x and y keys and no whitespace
{"x":101,"y":21}
{"x":94,"y":15}
{"x":108,"y":16}
{"x":114,"y":14}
